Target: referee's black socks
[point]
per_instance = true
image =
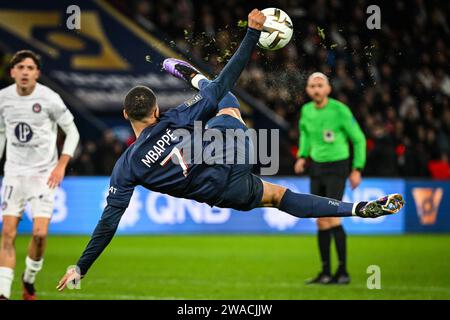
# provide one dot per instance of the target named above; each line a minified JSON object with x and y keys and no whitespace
{"x":340,"y":239}
{"x":324,"y":239}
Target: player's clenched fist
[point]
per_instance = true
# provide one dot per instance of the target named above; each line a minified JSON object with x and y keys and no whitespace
{"x":256,"y":19}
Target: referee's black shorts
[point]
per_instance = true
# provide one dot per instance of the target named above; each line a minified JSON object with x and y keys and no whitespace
{"x":328,"y":178}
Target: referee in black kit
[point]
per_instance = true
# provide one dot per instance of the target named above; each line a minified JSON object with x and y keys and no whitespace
{"x":326,"y":126}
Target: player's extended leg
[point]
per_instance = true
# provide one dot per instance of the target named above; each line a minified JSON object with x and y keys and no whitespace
{"x":183,"y":70}
{"x":304,"y":205}
{"x":35,"y":259}
{"x":8,"y":255}
{"x":300,"y":205}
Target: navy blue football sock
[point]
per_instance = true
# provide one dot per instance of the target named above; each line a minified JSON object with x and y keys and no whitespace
{"x":228,"y":101}
{"x":304,"y":205}
{"x":203,"y":83}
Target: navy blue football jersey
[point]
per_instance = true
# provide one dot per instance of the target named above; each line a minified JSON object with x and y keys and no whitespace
{"x":149,"y":161}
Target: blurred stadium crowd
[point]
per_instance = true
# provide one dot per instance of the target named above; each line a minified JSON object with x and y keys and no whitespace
{"x":396,"y":79}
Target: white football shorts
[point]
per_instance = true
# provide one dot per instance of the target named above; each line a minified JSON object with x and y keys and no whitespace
{"x":16,"y":192}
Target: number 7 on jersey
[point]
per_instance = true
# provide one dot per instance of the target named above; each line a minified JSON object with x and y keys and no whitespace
{"x":179,"y":155}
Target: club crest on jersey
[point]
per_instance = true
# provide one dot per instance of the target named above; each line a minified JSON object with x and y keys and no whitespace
{"x":37,"y":108}
{"x":23,"y":132}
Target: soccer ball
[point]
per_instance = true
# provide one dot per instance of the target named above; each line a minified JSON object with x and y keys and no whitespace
{"x":277,"y":30}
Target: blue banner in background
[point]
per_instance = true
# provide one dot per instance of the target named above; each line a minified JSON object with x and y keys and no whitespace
{"x":429,"y":209}
{"x":80,"y":200}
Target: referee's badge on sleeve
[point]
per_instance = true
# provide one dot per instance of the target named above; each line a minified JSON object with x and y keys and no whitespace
{"x":328,"y":136}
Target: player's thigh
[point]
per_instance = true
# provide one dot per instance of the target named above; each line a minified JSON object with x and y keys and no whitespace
{"x":238,"y":141}
{"x":41,"y":198}
{"x":234,"y":112}
{"x":334,"y":186}
{"x":244,"y":190}
{"x":13,"y":196}
{"x":272,"y":194}
{"x":316,"y":186}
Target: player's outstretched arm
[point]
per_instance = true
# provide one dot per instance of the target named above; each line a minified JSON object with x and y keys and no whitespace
{"x":233,"y":69}
{"x":103,"y":233}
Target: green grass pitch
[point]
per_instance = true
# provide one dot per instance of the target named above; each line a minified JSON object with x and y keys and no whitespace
{"x":243,"y":267}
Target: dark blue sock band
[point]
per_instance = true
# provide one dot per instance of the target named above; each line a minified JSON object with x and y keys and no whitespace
{"x":304,"y":205}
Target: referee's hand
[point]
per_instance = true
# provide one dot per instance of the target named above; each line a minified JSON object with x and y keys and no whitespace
{"x":299,"y":166}
{"x":355,"y":179}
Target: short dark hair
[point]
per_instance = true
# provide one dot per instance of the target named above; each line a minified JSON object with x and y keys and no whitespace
{"x":139,"y":102}
{"x":21,"y":55}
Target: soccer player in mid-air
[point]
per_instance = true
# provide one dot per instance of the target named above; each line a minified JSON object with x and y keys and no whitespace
{"x":29,"y":116}
{"x":148,"y":161}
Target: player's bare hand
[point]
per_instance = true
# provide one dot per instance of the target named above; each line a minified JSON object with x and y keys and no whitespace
{"x":70,"y":278}
{"x":56,"y":176}
{"x":256,"y":19}
{"x":355,"y":179}
{"x":299,"y":166}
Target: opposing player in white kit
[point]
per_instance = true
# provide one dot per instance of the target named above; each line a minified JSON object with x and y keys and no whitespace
{"x":29,"y":116}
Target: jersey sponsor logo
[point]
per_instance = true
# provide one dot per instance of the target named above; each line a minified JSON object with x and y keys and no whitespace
{"x":193,"y":100}
{"x":427,"y":203}
{"x":37,"y":108}
{"x":23,"y":132}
